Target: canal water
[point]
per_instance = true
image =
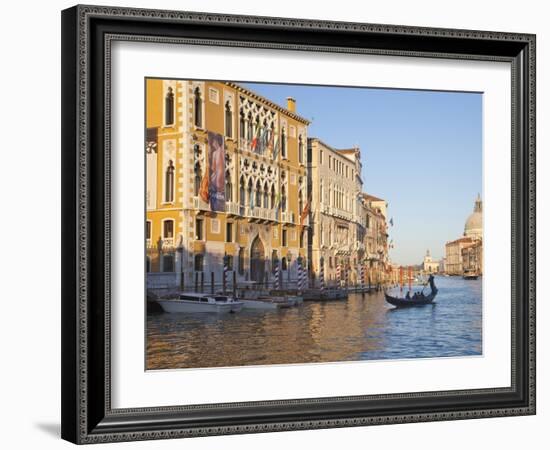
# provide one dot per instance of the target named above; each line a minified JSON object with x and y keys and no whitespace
{"x":360,"y":328}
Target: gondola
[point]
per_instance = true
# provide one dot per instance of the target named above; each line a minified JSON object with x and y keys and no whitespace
{"x":405,"y":302}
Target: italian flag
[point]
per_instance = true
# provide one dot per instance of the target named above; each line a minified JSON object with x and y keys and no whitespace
{"x":256,"y":137}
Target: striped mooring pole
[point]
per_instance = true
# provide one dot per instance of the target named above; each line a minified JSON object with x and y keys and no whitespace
{"x":299,"y":280}
{"x":277,"y":276}
{"x":339,"y":274}
{"x":362,"y":278}
{"x":225,"y":270}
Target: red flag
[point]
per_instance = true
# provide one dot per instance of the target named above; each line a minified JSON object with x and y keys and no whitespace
{"x":304,"y":213}
{"x":256,"y":138}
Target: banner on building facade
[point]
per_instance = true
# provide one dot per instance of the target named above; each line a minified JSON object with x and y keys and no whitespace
{"x":216,"y":171}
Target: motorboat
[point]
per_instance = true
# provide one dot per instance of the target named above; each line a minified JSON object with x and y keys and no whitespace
{"x":267,"y":300}
{"x":192,"y":302}
{"x":267,"y":303}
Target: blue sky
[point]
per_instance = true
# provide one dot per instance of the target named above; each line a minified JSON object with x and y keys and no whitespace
{"x":421,"y":151}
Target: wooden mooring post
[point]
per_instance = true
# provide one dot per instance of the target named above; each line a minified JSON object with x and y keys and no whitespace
{"x":212,"y":283}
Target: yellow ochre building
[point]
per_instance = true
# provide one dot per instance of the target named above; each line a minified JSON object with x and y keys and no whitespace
{"x":226,"y":181}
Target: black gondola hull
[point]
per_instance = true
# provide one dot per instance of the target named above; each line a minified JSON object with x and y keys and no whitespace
{"x":404,"y":303}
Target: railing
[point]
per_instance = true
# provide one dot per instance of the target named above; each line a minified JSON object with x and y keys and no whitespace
{"x":260,"y":213}
{"x":232,"y":208}
{"x":287,"y":217}
{"x":200,"y":204}
{"x":257,"y":212}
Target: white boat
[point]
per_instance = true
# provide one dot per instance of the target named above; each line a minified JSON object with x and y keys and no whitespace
{"x":264,"y":305}
{"x":269,"y":302}
{"x":200,"y":303}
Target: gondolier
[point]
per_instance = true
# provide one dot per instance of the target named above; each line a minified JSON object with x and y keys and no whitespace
{"x":416,"y":300}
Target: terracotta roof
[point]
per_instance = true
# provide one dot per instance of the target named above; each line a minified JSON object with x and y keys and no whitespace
{"x":459,"y":240}
{"x":372,"y":197}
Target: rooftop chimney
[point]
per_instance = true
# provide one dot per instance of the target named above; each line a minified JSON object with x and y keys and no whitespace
{"x":291,"y":104}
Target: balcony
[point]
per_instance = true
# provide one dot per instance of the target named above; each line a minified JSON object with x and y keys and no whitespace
{"x":232,"y":209}
{"x":200,"y":204}
{"x":258,"y":214}
{"x":288,"y":217}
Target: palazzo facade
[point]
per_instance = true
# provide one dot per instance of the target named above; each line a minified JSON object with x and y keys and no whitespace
{"x":226,"y":184}
{"x":348,"y":227}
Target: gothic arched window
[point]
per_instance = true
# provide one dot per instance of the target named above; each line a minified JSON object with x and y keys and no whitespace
{"x":169,"y":107}
{"x":198,"y":108}
{"x":258,"y":199}
{"x":250,"y":127}
{"x":169,"y":183}
{"x":283,"y":143}
{"x":228,"y":187}
{"x":249,"y":192}
{"x":300,"y":149}
{"x":266,"y":196}
{"x":197,"y":183}
{"x":272,"y":203}
{"x":228,"y":120}
{"x":242,"y":125}
{"x":242,"y":193}
{"x":283,"y":198}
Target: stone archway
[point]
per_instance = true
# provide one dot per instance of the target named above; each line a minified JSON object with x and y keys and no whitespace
{"x":257,"y":260}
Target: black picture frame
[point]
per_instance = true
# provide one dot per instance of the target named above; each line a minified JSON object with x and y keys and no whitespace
{"x":87,"y":416}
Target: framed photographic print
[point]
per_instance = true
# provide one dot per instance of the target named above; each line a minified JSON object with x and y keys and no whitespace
{"x":278,"y":224}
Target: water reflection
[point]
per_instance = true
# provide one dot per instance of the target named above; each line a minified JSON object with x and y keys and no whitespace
{"x":361,"y":328}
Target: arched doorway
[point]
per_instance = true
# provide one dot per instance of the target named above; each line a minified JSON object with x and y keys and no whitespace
{"x":257,"y":260}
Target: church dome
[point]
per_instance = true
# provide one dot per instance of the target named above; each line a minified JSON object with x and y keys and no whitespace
{"x":474,"y":224}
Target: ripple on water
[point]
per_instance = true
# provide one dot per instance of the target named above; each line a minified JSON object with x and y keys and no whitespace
{"x":361,"y":328}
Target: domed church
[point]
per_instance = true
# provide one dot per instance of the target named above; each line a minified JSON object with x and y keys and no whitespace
{"x":464,"y":256}
{"x":474,"y":224}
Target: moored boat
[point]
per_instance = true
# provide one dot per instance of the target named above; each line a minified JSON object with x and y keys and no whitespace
{"x":266,"y":303}
{"x":192,"y":302}
{"x":401,"y":302}
{"x":470,"y":275}
{"x":325,"y":294}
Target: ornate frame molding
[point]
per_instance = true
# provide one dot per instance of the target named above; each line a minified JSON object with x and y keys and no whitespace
{"x":86,"y":186}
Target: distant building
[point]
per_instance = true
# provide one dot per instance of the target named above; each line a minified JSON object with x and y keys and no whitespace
{"x":429,"y":265}
{"x":348,"y":230}
{"x":334,"y":179}
{"x":374,"y":211}
{"x":472,"y":257}
{"x":453,"y":252}
{"x":466,"y":253}
{"x":474,"y":224}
